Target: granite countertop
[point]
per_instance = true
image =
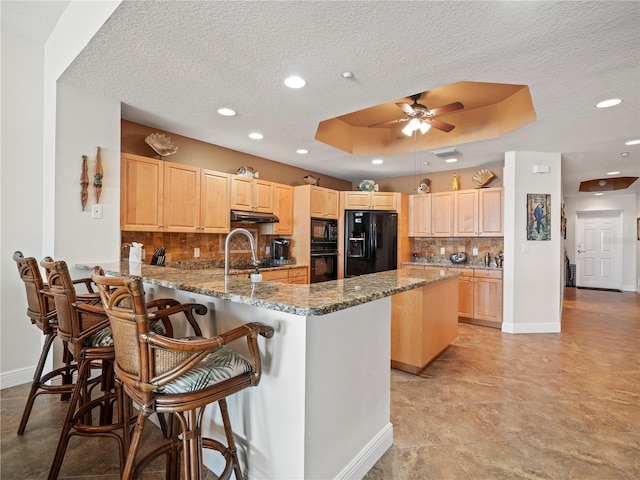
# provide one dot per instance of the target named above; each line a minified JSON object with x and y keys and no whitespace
{"x":313,"y":299}
{"x":451,"y":265}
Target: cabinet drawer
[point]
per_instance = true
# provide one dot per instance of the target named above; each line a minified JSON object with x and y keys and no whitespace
{"x":275,"y":275}
{"x":463,"y":272}
{"x":480,"y":273}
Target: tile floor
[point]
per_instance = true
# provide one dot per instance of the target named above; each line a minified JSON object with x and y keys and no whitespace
{"x":492,"y":406}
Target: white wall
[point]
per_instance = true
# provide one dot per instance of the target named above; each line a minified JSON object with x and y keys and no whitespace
{"x":32,"y":215}
{"x":532,"y":278}
{"x":625,"y":203}
{"x":21,"y":196}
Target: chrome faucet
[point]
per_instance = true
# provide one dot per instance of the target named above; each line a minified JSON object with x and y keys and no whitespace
{"x":246,"y":233}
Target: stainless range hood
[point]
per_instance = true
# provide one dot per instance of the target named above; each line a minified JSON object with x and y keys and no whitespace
{"x":253,"y":217}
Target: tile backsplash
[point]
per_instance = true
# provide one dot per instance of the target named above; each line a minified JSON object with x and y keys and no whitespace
{"x":428,"y":249}
{"x":180,"y":246}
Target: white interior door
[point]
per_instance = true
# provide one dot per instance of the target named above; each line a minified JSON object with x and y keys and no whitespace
{"x":599,"y":249}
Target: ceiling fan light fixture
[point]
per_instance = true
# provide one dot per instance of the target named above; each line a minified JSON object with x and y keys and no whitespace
{"x":408,"y":130}
{"x":424,"y":127}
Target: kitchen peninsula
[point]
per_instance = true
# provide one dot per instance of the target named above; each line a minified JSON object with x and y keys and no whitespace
{"x":322,"y":409}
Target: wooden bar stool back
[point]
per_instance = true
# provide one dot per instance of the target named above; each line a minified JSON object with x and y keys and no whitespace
{"x":181,"y":377}
{"x":95,"y":409}
{"x":42,"y":313}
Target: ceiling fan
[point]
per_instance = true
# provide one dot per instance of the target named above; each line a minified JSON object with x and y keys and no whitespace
{"x":421,"y":118}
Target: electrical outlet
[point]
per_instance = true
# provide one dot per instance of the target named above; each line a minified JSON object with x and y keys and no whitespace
{"x":475,"y":251}
{"x":196,"y":252}
{"x":96,"y":211}
{"x":441,"y":250}
{"x":267,"y":250}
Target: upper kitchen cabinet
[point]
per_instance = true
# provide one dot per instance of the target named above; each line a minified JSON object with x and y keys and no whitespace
{"x":465,"y":218}
{"x":214,"y":202}
{"x":420,"y":215}
{"x":324,"y":202}
{"x":491,"y":212}
{"x":251,"y":194}
{"x":141,"y":193}
{"x":478,"y":213}
{"x":442,"y":214}
{"x":370,"y":201}
{"x":283,"y":209}
{"x":172,"y":197}
{"x":181,"y":197}
{"x":195,"y":200}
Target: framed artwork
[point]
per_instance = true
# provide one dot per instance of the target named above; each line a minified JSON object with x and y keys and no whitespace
{"x":538,"y":216}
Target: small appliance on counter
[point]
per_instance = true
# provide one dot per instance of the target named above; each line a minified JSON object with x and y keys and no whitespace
{"x":280,"y":252}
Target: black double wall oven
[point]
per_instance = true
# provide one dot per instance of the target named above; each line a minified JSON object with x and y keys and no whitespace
{"x":324,"y":250}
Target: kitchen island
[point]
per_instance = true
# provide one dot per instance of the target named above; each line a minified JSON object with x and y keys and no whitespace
{"x":322,"y":409}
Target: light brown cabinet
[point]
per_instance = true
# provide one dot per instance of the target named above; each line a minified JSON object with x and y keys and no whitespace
{"x":171,"y":197}
{"x":323,"y":202}
{"x":420,"y":215}
{"x":283,"y":209}
{"x":370,"y":201}
{"x":442,"y":214}
{"x":289,"y":275}
{"x":251,"y":194}
{"x":465,"y":218}
{"x":480,"y":297}
{"x":491,"y":212}
{"x":424,"y":322}
{"x":141,"y":193}
{"x":478,"y":213}
{"x":214,"y":202}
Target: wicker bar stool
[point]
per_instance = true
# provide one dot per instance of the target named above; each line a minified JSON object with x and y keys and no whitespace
{"x":179,"y":377}
{"x":41,"y":311}
{"x":97,"y":407}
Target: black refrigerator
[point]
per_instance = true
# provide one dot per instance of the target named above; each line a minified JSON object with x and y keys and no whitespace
{"x":371,"y":242}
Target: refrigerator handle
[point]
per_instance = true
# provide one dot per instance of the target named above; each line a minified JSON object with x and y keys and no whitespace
{"x":374,"y":240}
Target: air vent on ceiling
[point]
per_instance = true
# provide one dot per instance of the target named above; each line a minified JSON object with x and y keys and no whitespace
{"x":446,"y":152}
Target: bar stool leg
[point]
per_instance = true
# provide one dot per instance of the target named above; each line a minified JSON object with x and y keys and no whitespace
{"x":35,"y":384}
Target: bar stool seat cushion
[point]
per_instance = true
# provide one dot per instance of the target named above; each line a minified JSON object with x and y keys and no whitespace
{"x":221,"y":364}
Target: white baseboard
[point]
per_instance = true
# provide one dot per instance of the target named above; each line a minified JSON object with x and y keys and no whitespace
{"x":531,"y":327}
{"x":628,"y":288}
{"x":369,"y":455}
{"x":16,"y":377}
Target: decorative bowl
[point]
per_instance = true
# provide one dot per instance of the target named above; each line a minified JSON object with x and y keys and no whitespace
{"x":161,"y":144}
{"x":460,"y":257}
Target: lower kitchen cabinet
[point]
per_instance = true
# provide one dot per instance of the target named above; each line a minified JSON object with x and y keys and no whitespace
{"x":286,"y":275}
{"x":424,"y":321}
{"x":480,"y":300}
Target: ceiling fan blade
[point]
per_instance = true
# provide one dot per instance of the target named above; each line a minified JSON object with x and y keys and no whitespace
{"x":406,"y":108}
{"x":452,"y":107}
{"x":445,"y":127}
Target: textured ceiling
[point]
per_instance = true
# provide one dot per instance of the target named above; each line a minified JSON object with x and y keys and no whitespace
{"x":173,"y":64}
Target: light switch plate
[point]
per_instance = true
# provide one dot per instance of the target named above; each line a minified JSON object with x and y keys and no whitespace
{"x":196,"y":252}
{"x":441,"y":250}
{"x":525,"y":247}
{"x":96,"y":211}
{"x":475,"y":251}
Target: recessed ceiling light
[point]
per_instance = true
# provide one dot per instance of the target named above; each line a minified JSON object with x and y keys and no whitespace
{"x":624,"y":154}
{"x":612,"y":102}
{"x":613,"y":173}
{"x":347,"y":75}
{"x":598,"y":194}
{"x":602,"y":183}
{"x":226,"y":112}
{"x":425,"y":163}
{"x":377,"y":161}
{"x":294,"y":82}
{"x":632,"y":142}
{"x":256,"y":136}
{"x":302,"y":151}
{"x":451,"y":160}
